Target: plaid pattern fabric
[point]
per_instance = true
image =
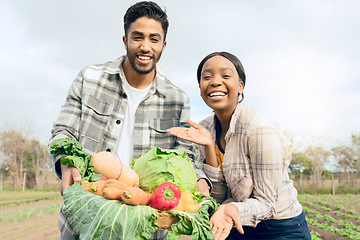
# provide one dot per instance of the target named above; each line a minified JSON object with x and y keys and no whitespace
{"x":94,"y":111}
{"x":95,"y":107}
{"x":254,"y":175}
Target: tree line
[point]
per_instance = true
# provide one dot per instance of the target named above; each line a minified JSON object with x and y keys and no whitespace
{"x":20,"y":153}
{"x":312,"y":161}
{"x":23,"y":156}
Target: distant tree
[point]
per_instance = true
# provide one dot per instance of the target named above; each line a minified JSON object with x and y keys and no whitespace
{"x":300,"y":164}
{"x":13,"y":145}
{"x":319,"y":156}
{"x":38,"y":162}
{"x":355,"y":140}
{"x":348,"y":157}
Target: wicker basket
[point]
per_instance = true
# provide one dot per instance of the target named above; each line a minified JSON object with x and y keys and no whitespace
{"x":165,"y":220}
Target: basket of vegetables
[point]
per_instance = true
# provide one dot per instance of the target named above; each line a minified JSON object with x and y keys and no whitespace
{"x":114,"y":201}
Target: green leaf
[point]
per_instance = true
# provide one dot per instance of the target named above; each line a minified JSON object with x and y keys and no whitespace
{"x":195,"y":224}
{"x":95,"y":217}
{"x":78,"y":162}
{"x":75,"y":156}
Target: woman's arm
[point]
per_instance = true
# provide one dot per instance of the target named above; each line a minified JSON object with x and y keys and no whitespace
{"x":266,"y":162}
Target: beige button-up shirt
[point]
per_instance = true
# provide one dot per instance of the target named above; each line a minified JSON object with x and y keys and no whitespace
{"x":254,"y":175}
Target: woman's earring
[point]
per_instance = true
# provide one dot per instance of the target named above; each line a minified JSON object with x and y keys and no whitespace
{"x":242,"y":97}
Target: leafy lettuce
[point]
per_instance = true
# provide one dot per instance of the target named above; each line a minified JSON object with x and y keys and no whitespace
{"x":95,"y":217}
{"x":157,"y":166}
{"x":195,"y":224}
{"x":75,"y":156}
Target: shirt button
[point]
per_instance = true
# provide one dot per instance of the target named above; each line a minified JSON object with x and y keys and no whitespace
{"x":118,"y":121}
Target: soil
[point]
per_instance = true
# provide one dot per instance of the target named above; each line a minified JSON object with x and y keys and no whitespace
{"x":326,"y":235}
{"x":45,"y":227}
{"x":35,"y":228}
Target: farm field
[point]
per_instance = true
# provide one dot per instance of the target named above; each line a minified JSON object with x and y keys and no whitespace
{"x":29,"y":215}
{"x":34,"y":215}
{"x":332,"y":216}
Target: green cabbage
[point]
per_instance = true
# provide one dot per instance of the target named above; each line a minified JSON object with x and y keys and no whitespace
{"x":157,"y":166}
{"x":95,"y":217}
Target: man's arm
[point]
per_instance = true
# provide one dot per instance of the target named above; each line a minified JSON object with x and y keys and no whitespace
{"x":67,"y":122}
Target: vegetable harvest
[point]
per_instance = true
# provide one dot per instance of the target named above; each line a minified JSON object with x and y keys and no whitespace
{"x":95,"y":217}
{"x":166,"y":196}
{"x":101,"y":208}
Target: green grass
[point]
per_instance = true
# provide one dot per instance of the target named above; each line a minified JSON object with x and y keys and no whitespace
{"x":26,"y":195}
{"x":26,"y":211}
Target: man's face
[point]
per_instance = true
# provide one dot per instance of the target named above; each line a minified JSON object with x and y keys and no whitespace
{"x":144,"y":44}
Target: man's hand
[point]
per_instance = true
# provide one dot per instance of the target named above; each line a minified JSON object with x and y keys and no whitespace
{"x":223,"y":220}
{"x":70,"y":174}
{"x":203,"y":187}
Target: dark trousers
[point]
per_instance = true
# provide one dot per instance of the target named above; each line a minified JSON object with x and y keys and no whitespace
{"x":291,"y":228}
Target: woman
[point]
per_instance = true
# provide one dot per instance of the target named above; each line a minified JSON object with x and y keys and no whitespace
{"x":246,"y":159}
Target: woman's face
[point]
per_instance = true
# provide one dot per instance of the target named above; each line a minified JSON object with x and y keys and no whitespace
{"x":220,"y":85}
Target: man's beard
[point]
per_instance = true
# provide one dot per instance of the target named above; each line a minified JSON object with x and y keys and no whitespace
{"x":136,"y":69}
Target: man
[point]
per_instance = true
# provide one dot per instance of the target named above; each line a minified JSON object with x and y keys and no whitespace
{"x":125,"y":105}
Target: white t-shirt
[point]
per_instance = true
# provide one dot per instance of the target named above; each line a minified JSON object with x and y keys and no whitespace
{"x":125,"y":143}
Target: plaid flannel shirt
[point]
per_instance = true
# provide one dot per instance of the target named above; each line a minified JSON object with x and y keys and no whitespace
{"x":254,"y":175}
{"x":94,"y":111}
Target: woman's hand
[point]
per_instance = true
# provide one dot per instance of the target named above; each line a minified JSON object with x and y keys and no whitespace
{"x":197,"y":134}
{"x":223,"y":220}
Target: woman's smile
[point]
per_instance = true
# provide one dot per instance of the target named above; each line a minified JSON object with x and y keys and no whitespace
{"x":220,"y":84}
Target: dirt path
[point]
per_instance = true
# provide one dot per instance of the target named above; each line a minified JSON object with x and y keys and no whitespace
{"x":34,"y":228}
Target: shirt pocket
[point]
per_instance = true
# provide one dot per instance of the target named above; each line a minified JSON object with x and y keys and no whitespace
{"x":96,"y":118}
{"x":158,"y":135}
{"x":97,"y":106}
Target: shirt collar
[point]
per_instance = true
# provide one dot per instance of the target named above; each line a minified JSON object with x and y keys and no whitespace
{"x":234,"y":118}
{"x":159,"y":83}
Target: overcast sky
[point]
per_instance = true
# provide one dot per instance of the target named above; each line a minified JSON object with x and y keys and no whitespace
{"x":301,"y":58}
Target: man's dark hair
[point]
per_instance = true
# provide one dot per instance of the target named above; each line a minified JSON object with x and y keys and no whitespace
{"x":145,"y":9}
